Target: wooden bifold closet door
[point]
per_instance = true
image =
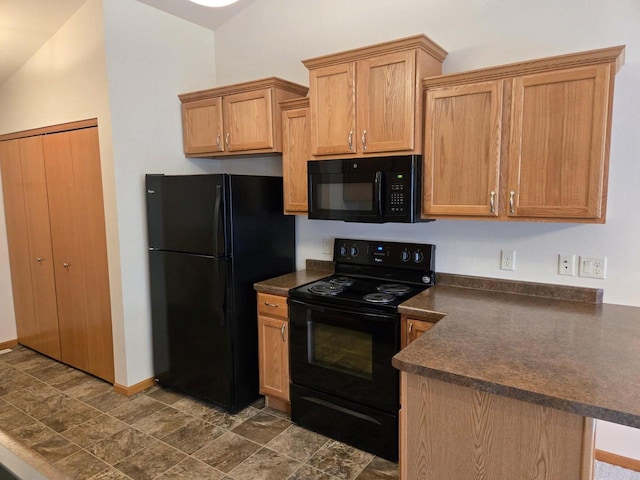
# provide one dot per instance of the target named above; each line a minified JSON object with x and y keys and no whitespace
{"x":52,"y":186}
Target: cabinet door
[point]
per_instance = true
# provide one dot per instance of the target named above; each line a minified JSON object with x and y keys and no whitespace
{"x":43,"y":284}
{"x":462,"y":149}
{"x":248,"y":122}
{"x":72,"y":162}
{"x":557,"y":151}
{"x":273,"y":351}
{"x":333,"y":109}
{"x":296,"y":150}
{"x":386,"y":93}
{"x":202,"y":130}
{"x":413,"y":329}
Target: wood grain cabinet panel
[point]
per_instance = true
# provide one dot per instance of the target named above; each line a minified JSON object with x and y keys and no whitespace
{"x":296,"y":151}
{"x":236,"y":119}
{"x":368,"y":100}
{"x":54,"y":204}
{"x":273,"y":346}
{"x":527,"y":141}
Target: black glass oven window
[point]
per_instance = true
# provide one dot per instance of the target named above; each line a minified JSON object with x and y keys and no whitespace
{"x":341,"y":349}
{"x":345,"y":196}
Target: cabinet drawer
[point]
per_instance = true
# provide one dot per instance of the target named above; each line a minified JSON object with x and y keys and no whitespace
{"x":272,"y":305}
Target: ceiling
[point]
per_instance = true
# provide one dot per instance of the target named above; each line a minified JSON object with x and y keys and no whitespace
{"x":25,"y":25}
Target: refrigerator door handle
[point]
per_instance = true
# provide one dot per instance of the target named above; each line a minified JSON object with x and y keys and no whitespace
{"x":222,"y":291}
{"x":216,"y":220}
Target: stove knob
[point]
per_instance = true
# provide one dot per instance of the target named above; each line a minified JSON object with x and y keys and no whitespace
{"x":343,"y":250}
{"x":354,"y":251}
{"x":418,"y":256}
{"x":405,"y":256}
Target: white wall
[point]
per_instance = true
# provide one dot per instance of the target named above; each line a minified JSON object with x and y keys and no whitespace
{"x":65,"y":81}
{"x":151,"y":58}
{"x":270,"y":37}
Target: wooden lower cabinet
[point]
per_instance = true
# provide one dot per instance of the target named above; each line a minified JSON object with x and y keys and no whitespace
{"x":52,"y":188}
{"x":450,"y":431}
{"x":412,"y":328}
{"x":273,"y":349}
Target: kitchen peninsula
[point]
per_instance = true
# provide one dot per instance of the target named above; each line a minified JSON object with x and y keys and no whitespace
{"x":508,"y":385}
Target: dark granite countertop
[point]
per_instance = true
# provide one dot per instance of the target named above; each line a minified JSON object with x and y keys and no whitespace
{"x":281,"y":285}
{"x":577,"y":356}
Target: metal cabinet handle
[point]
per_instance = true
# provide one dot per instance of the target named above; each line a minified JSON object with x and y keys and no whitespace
{"x":282,"y":331}
{"x":274,"y":305}
{"x":492,"y":202}
{"x":66,"y":265}
{"x":350,"y":140}
{"x":39,"y":259}
{"x":410,"y":327}
{"x":218,"y":143}
{"x":364,"y":139}
{"x":227,"y":141}
{"x":511,"y":194}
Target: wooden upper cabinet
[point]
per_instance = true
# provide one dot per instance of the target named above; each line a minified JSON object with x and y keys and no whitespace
{"x":559,"y":143}
{"x":527,"y":141}
{"x":462,"y":149}
{"x":368,"y":100}
{"x":236,"y":119}
{"x":202,"y":126}
{"x":296,"y":151}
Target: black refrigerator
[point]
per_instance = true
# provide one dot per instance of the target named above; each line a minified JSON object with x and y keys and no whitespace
{"x":211,"y":237}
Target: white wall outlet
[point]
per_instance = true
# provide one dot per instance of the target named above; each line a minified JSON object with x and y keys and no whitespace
{"x":327,"y":246}
{"x":566,"y":264}
{"x":593,"y":267}
{"x":507,"y":260}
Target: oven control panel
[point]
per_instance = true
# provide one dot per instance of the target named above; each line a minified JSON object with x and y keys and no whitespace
{"x":418,"y":256}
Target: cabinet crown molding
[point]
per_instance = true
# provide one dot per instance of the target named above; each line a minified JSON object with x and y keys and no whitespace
{"x":414,"y":42}
{"x":613,"y":55}
{"x":271,"y":82}
{"x":294,"y":103}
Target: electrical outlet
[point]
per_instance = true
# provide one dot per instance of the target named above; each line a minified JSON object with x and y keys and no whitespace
{"x":593,"y":267}
{"x":507,"y":260}
{"x":566,"y":264}
{"x":327,"y":245}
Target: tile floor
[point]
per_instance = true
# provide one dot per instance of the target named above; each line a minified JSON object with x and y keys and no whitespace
{"x":87,"y":431}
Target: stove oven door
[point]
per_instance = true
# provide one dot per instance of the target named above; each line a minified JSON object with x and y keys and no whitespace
{"x":345,"y":352}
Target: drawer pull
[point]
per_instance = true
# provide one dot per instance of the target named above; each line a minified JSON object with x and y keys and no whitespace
{"x":274,"y":305}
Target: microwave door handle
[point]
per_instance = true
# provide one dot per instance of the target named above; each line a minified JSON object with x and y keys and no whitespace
{"x":378,"y":186}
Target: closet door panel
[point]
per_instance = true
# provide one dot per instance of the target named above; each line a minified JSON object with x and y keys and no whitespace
{"x":65,"y":238}
{"x":47,"y":339}
{"x":85,"y":154}
{"x":18,"y":241}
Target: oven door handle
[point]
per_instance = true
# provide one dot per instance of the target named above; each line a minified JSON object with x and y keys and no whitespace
{"x":369,"y":316}
{"x":378,"y":187}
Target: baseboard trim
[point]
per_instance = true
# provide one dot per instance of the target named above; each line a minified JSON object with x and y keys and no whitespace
{"x":618,"y":460}
{"x":9,"y":344}
{"x":133,"y":389}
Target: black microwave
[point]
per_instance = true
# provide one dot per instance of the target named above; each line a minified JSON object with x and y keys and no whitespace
{"x":372,"y":190}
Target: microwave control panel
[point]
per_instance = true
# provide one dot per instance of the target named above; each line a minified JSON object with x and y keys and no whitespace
{"x":398,"y":192}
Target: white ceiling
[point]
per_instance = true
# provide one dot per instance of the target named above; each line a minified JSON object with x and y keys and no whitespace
{"x":25,"y":25}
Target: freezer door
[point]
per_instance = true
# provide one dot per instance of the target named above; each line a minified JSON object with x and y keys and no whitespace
{"x":187,"y":213}
{"x":191,"y":335}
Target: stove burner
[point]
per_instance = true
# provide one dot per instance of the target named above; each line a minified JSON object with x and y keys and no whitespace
{"x":379,"y":297}
{"x":342,"y":281}
{"x":394,"y":288}
{"x":326,"y":289}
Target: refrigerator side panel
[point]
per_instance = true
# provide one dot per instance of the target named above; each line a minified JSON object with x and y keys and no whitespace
{"x":263,"y":246}
{"x":191,"y":338}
